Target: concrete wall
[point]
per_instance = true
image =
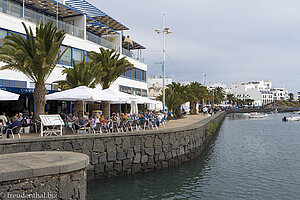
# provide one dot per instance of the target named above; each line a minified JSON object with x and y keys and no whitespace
{"x":127,"y":153}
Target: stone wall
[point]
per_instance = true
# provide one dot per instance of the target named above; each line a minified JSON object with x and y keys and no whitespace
{"x":43,"y":175}
{"x":127,"y":153}
{"x":60,"y":186}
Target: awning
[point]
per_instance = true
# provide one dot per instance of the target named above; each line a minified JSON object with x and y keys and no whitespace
{"x":96,"y":14}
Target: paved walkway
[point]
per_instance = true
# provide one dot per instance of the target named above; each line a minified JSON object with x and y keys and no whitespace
{"x":188,"y":120}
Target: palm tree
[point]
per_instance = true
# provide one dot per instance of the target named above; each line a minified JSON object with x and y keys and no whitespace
{"x":113,"y":66}
{"x":84,"y":73}
{"x":291,"y":96}
{"x":176,"y":95}
{"x":230,"y":98}
{"x":35,"y":56}
{"x":193,"y":95}
{"x":249,"y":102}
{"x":219,"y":95}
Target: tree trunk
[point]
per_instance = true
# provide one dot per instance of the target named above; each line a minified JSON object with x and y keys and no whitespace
{"x":105,"y":108}
{"x":193,"y":107}
{"x":78,"y":107}
{"x":178,"y":112}
{"x":39,"y":99}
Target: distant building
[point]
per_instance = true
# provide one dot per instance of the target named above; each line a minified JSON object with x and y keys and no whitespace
{"x":155,"y":85}
{"x":298,"y":95}
{"x":280,"y":94}
{"x":259,"y":91}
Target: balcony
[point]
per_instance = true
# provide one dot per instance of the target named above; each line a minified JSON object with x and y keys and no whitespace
{"x":16,"y":10}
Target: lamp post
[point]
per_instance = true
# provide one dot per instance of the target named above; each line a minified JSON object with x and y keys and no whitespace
{"x":164,"y":32}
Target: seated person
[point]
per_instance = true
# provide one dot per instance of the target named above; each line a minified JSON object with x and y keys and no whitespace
{"x":84,"y":122}
{"x":14,"y":123}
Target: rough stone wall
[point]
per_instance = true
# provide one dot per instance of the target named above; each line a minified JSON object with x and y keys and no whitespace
{"x":62,"y":186}
{"x":128,"y":153}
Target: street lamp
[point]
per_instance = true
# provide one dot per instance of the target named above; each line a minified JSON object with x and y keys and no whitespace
{"x":164,"y":31}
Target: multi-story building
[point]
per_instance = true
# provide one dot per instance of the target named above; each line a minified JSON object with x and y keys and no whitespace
{"x":88,"y":28}
{"x":259,"y":91}
{"x":280,"y":94}
{"x":155,"y":85}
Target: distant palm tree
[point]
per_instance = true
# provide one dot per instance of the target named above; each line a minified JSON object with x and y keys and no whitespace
{"x":291,"y":96}
{"x":35,"y":56}
{"x":230,"y":98}
{"x":219,"y":95}
{"x":87,"y":74}
{"x":176,"y":95}
{"x":193,"y":95}
{"x":113,"y":66}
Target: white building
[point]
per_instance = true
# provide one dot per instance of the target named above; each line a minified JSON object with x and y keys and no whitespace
{"x":155,"y":85}
{"x":87,"y":27}
{"x":259,"y":91}
{"x":280,"y":94}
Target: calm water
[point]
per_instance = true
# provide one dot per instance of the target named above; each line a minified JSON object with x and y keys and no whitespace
{"x":249,"y":159}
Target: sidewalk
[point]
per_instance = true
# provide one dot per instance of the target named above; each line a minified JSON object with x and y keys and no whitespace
{"x":188,"y":120}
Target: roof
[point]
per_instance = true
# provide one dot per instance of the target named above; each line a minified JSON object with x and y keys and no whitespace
{"x":51,"y":7}
{"x":96,"y":14}
{"x":131,"y":45}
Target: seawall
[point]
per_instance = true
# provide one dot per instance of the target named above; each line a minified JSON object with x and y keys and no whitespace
{"x":117,"y":154}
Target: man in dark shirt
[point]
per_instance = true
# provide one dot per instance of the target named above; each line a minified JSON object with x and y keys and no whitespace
{"x":14,"y":123}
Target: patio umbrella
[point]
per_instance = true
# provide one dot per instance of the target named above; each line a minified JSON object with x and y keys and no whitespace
{"x":134,"y":108}
{"x":8,"y":96}
{"x":81,"y":93}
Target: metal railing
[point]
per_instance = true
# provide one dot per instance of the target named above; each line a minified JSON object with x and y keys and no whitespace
{"x":35,"y":17}
{"x":101,"y":41}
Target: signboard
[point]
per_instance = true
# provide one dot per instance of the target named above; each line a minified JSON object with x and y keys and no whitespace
{"x":51,"y":120}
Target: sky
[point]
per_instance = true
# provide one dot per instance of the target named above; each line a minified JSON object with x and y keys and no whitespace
{"x":230,"y":41}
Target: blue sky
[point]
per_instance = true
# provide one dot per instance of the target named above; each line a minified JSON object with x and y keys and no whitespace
{"x":232,"y":40}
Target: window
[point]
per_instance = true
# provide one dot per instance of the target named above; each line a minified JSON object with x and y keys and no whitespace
{"x":127,"y":74}
{"x":77,"y":55}
{"x":125,"y":89}
{"x":133,"y":73}
{"x":3,"y":34}
{"x":138,"y":74}
{"x":144,"y":93}
{"x":66,"y":59}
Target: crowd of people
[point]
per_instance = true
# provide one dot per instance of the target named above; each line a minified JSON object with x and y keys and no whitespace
{"x":116,"y":121}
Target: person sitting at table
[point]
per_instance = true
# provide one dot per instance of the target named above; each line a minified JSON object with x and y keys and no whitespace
{"x":75,"y":117}
{"x":102,"y":120}
{"x":14,"y":123}
{"x":83,"y":122}
{"x":20,"y":117}
{"x":4,"y":119}
{"x":114,"y":117}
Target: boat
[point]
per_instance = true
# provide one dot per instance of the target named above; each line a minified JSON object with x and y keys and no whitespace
{"x":257,"y":115}
{"x":285,"y":119}
{"x":246,"y":114}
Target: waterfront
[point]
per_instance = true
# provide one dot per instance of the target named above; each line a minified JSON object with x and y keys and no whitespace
{"x":249,"y":159}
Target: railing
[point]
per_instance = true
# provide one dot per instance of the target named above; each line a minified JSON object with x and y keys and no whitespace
{"x":130,"y":54}
{"x":35,"y":17}
{"x":101,"y":41}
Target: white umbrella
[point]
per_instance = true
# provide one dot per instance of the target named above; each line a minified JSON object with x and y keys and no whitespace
{"x":81,"y":93}
{"x":8,"y":96}
{"x":134,"y":108}
{"x":120,"y":97}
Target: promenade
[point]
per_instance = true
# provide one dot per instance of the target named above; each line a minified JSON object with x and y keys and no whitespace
{"x":185,"y":121}
{"x":174,"y":123}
